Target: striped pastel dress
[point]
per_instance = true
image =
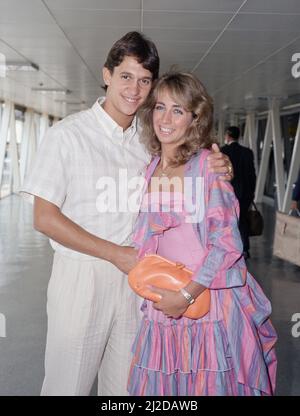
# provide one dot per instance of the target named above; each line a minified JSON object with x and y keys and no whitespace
{"x":229,"y":351}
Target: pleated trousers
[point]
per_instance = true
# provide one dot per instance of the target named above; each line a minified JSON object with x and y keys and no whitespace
{"x":93,"y":317}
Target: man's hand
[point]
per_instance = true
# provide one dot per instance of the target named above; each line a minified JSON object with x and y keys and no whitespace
{"x":220,"y":163}
{"x":172,"y":303}
{"x":124,"y":258}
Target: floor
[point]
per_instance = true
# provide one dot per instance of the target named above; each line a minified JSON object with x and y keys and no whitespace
{"x":25,"y":264}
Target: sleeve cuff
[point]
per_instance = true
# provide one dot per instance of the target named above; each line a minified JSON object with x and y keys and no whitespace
{"x":29,"y":194}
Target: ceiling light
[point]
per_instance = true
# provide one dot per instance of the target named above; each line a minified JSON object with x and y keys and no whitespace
{"x":52,"y":90}
{"x":21,"y":66}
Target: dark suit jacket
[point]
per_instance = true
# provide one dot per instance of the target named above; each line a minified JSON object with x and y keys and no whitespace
{"x":296,"y":191}
{"x":244,"y":180}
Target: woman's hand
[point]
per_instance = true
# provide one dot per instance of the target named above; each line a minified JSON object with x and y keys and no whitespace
{"x":218,"y":162}
{"x":172,"y":303}
{"x":124,"y":258}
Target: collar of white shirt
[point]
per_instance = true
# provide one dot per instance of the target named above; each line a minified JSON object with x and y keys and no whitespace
{"x":112,"y":128}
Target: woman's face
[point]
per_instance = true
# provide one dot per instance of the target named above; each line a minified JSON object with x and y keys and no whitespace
{"x":170,"y":120}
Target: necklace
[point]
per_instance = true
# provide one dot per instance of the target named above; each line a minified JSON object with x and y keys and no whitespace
{"x":165,"y":172}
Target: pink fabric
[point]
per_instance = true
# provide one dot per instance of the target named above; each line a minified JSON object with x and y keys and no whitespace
{"x":230,"y":351}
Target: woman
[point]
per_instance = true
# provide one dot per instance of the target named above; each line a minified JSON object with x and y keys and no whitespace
{"x":230,"y":350}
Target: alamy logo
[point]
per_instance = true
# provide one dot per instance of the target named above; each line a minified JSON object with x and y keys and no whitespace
{"x":296,"y":326}
{"x":296,"y":66}
{"x":124,"y":194}
{"x":2,"y":326}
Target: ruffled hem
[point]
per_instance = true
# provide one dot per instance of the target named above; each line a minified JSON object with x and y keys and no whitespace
{"x":144,"y":382}
{"x":181,"y":347}
{"x":254,"y":359}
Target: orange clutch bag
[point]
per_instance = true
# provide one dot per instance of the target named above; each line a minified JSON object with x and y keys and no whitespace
{"x":157,"y":271}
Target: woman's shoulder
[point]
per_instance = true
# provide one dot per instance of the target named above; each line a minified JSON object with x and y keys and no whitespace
{"x":201,"y":154}
{"x":198,"y":161}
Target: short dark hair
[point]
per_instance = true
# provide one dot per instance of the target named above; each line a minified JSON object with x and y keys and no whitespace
{"x":137,"y":45}
{"x":233,"y":132}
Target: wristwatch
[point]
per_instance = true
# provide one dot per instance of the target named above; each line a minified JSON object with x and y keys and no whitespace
{"x":188,"y":296}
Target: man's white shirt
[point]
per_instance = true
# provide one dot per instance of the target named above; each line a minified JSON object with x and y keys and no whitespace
{"x":73,"y":159}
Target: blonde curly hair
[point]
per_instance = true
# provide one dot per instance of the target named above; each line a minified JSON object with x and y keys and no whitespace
{"x":186,"y":89}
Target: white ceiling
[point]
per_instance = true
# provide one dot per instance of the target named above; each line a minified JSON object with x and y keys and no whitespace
{"x":238,"y":48}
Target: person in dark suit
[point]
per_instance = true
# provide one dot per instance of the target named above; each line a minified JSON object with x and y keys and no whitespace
{"x":296,"y":194}
{"x":244,"y":180}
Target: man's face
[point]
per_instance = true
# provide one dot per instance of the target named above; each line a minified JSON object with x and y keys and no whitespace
{"x":226,"y":138}
{"x":127,"y":88}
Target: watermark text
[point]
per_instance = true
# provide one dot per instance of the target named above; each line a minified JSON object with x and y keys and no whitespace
{"x":296,"y":66}
{"x":124,"y":194}
{"x":296,"y":326}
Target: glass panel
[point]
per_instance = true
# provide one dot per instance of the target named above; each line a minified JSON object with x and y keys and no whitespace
{"x":262,"y":124}
{"x":270,"y":178}
{"x":270,"y":187}
{"x":7,"y":179}
{"x":5,"y":182}
{"x":289,"y":124}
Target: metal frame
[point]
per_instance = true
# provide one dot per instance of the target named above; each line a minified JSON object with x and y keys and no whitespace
{"x":4,"y":134}
{"x":28,"y":133}
{"x":278,"y":151}
{"x":293,"y":171}
{"x":13,"y":150}
{"x":44,"y":125}
{"x":250,"y":135}
{"x":273,"y":135}
{"x":32,"y":133}
{"x":262,"y":174}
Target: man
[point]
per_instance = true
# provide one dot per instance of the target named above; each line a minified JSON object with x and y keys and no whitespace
{"x":296,"y":194}
{"x":244,"y":180}
{"x":92,"y":313}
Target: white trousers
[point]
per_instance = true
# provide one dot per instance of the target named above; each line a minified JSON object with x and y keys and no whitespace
{"x":93,"y":317}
